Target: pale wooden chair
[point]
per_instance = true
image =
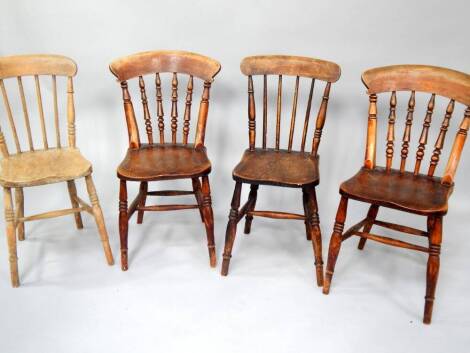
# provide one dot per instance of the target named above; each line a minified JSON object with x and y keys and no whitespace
{"x":42,"y":165}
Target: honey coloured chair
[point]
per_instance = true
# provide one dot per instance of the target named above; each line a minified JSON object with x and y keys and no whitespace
{"x":408,"y":191}
{"x":36,"y":165}
{"x":277,"y":166}
{"x":160,"y":159}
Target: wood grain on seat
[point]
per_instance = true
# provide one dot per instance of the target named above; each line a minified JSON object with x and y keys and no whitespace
{"x":164,"y":161}
{"x":277,"y":167}
{"x":419,"y":194}
{"x":43,"y":167}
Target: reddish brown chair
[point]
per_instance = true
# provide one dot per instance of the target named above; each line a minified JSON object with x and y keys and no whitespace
{"x":281,"y":167}
{"x":412,"y":192}
{"x":162,"y":160}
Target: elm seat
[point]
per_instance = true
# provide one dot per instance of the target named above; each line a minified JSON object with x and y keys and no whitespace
{"x":43,"y":167}
{"x":164,"y":161}
{"x":278,"y":167}
{"x":419,"y":194}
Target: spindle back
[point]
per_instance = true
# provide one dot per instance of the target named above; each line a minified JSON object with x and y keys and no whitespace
{"x":297,"y":66}
{"x":417,"y":78}
{"x":155,"y":63}
{"x":20,"y":66}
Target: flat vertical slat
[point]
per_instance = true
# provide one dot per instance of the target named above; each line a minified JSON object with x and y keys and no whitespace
{"x":202,"y":116}
{"x":3,"y":145}
{"x":278,"y":112}
{"x":187,"y":109}
{"x":132,"y":129}
{"x":70,"y":113}
{"x":441,"y":139}
{"x":56,"y":111}
{"x":145,"y":106}
{"x":6,"y":102}
{"x":321,"y":116}
{"x":371,"y":143}
{"x":423,"y":139}
{"x":391,"y":131}
{"x":307,"y":115}
{"x":294,"y":113}
{"x":161,"y":123}
{"x":407,"y":133}
{"x":25,"y":113}
{"x":41,"y":112}
{"x":251,"y":114}
{"x":174,"y":107}
{"x":265,"y":110}
{"x":457,"y":148}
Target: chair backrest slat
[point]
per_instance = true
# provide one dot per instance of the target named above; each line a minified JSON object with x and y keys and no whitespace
{"x":419,"y":78}
{"x":436,"y":154}
{"x":307,"y":115}
{"x":174,"y":107}
{"x":292,"y":66}
{"x":187,"y":109}
{"x":407,"y":133}
{"x":174,"y":63}
{"x":265,"y":109}
{"x":11,"y":121}
{"x":321,"y":116}
{"x":423,"y":139}
{"x":160,"y":114}
{"x":251,"y":114}
{"x":278,"y":111}
{"x":25,"y":113}
{"x":41,"y":112}
{"x":147,"y":119}
{"x":56,"y":111}
{"x":294,"y":113}
{"x":391,"y":130}
{"x":70,"y":113}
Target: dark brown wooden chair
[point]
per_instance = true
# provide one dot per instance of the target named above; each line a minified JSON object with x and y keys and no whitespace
{"x":413,"y":192}
{"x":281,"y":167}
{"x":155,"y":161}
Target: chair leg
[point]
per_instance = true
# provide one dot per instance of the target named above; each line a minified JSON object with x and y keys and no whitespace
{"x":335,"y":243}
{"x":11,"y":237}
{"x":19,"y":204}
{"x":73,"y":194}
{"x":123,"y":223}
{"x":252,"y":202}
{"x":312,"y":224}
{"x":231,"y":228}
{"x":98,"y":215}
{"x":198,"y":195}
{"x":307,"y":224}
{"x":432,"y":273}
{"x":143,"y":197}
{"x":371,"y":215}
{"x":208,"y":217}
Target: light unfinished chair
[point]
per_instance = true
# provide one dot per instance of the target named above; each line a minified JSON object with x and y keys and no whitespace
{"x":42,"y":165}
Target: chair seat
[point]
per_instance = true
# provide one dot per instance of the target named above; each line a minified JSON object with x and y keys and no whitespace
{"x":277,"y":167}
{"x":163,"y":162}
{"x":43,"y":167}
{"x":418,"y":194}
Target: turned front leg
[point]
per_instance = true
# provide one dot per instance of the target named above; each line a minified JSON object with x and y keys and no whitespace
{"x":335,"y":243}
{"x":123,"y":223}
{"x":208,"y":217}
{"x":231,"y":228}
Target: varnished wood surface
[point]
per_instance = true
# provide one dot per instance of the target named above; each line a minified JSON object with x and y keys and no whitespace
{"x":160,"y":61}
{"x":164,"y":161}
{"x":441,"y":81}
{"x":277,"y":167}
{"x":414,"y":193}
{"x":43,"y":167}
{"x":290,"y":65}
{"x":38,"y":64}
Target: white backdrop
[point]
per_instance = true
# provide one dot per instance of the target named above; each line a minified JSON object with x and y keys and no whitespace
{"x":170,"y":300}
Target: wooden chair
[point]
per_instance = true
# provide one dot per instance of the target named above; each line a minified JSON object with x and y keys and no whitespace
{"x":155,"y":161}
{"x":276,"y":166}
{"x":412,"y":192}
{"x":40,"y":165}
